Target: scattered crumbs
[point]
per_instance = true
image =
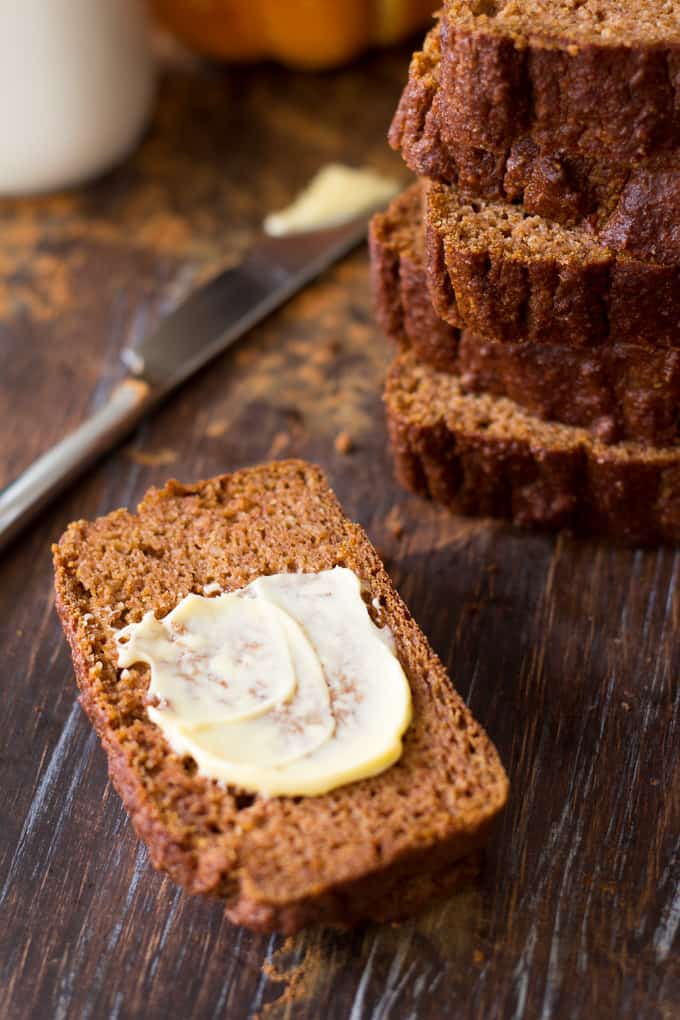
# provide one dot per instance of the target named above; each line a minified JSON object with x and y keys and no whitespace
{"x":320,"y":356}
{"x":246,"y":356}
{"x":212,"y":589}
{"x":300,"y":980}
{"x":344,"y":443}
{"x":394,"y":522}
{"x":279,"y":443}
{"x":216,"y":429}
{"x":164,"y":456}
{"x":312,"y":375}
{"x":478,"y":956}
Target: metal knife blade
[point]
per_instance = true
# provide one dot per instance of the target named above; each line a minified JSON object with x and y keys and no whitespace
{"x":202,"y":327}
{"x":227,"y":307}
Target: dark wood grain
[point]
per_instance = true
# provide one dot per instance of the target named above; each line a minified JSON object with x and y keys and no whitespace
{"x":566,"y":650}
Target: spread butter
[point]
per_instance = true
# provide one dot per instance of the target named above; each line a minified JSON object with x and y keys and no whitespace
{"x":335,"y":195}
{"x":284,"y":687}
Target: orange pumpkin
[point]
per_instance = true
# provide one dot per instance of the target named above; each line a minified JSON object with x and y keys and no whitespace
{"x":302,"y":33}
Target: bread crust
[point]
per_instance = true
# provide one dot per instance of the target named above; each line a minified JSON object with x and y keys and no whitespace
{"x":544,"y":293}
{"x":447,"y":130}
{"x":283,"y":863}
{"x":617,"y":391}
{"x":583,"y":95}
{"x":484,"y":456}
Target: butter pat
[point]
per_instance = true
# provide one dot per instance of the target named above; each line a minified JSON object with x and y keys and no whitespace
{"x":285,"y":687}
{"x":213,"y":660}
{"x":335,"y":195}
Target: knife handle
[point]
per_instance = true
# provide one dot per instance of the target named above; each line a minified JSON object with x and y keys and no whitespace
{"x":52,"y":472}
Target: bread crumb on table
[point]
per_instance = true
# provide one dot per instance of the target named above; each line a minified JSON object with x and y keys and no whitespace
{"x":344,"y":443}
{"x":394,"y":522}
{"x":216,"y":429}
{"x":279,"y":443}
{"x":149,"y":459}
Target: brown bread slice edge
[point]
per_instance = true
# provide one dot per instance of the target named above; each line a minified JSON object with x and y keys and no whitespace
{"x":279,"y":863}
{"x":591,"y":78}
{"x":629,"y":206}
{"x":484,"y":455}
{"x":504,"y":274}
{"x":617,"y":391}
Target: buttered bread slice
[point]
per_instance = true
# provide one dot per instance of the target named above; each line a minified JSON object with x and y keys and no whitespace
{"x":280,"y":760}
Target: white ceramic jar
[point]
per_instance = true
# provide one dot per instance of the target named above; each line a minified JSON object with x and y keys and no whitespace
{"x":76,"y":89}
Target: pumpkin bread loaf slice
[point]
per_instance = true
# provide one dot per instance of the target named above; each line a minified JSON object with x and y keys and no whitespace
{"x":629,"y":206}
{"x":484,"y":455}
{"x":584,"y":76}
{"x":617,"y":391}
{"x":495,"y":269}
{"x":370,"y":849}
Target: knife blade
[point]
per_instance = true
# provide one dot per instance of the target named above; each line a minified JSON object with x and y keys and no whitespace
{"x":203,"y":326}
{"x":227,"y":307}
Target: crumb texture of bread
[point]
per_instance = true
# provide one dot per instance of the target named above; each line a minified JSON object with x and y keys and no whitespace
{"x":590,"y":78}
{"x":279,"y":863}
{"x":605,"y":23}
{"x":627,"y":200}
{"x":504,"y":274}
{"x":484,"y":455}
{"x":617,"y":391}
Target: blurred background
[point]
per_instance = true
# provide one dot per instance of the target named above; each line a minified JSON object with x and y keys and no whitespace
{"x":142,"y":148}
{"x":299,"y":33}
{"x":77,"y":77}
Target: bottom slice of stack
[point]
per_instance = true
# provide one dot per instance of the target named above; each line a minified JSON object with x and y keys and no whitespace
{"x":470,"y":420}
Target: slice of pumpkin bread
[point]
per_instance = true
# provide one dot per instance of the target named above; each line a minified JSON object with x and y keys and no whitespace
{"x":589,"y":76}
{"x":503,"y":273}
{"x":617,"y":391}
{"x":370,"y":849}
{"x":484,"y":455}
{"x":629,"y":205}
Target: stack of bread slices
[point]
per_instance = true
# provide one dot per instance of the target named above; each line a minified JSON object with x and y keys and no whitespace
{"x":531,"y":277}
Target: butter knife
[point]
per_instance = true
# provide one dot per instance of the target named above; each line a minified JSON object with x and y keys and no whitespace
{"x":209,"y":321}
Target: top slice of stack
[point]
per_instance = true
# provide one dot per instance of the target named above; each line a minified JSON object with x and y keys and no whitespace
{"x":572,"y":108}
{"x":550,"y":134}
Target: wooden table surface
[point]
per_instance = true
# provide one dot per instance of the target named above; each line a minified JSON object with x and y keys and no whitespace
{"x":566,"y":650}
